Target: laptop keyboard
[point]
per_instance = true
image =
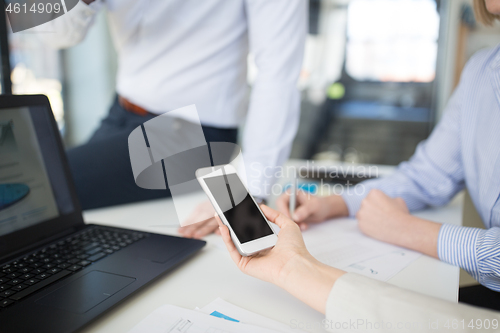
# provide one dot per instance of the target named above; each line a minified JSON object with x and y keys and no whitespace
{"x":30,"y":273}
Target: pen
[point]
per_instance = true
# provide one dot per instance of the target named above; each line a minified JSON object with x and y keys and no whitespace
{"x":293,"y":196}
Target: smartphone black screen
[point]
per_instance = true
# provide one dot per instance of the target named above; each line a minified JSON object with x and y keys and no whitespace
{"x":239,"y":209}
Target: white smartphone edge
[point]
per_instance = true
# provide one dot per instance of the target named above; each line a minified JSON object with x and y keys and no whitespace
{"x":248,"y":248}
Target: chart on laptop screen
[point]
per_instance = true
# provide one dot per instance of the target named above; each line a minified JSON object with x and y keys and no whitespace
{"x":26,"y":196}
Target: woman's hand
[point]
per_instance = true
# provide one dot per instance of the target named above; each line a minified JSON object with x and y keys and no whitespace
{"x":288,"y":264}
{"x":311,"y":208}
{"x":389,"y":220}
{"x":271,"y":265}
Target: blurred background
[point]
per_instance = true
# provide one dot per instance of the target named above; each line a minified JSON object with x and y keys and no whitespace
{"x":375,"y":80}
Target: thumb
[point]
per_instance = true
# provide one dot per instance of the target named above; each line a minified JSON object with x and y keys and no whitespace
{"x":279,"y":219}
{"x":217,"y":218}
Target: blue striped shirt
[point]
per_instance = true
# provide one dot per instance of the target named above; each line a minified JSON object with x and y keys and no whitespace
{"x":462,"y":151}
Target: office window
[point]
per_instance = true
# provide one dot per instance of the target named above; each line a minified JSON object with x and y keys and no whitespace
{"x":36,"y":69}
{"x":392,"y":40}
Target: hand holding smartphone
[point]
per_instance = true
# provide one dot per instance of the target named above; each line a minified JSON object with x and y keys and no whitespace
{"x":250,"y":231}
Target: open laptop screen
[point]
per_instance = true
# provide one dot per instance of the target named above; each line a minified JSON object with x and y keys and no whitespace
{"x":33,"y":183}
{"x":27,"y":194}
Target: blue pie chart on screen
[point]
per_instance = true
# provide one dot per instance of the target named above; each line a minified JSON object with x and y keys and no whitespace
{"x":12,"y":193}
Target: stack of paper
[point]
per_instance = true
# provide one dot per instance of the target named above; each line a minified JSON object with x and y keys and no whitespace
{"x":340,"y":243}
{"x":217,"y":317}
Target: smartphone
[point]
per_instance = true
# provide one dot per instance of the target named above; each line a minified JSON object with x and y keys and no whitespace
{"x":250,"y":231}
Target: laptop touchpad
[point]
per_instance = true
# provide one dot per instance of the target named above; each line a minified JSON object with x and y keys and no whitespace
{"x":86,"y":292}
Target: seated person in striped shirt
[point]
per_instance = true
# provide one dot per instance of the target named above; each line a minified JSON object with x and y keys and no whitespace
{"x":463,"y":151}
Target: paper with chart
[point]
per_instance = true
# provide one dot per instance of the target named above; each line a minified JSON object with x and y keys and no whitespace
{"x":173,"y":319}
{"x":26,"y":195}
{"x":339,"y":243}
{"x":223,"y":309}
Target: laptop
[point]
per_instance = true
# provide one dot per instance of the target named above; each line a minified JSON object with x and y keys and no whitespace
{"x":56,"y":272}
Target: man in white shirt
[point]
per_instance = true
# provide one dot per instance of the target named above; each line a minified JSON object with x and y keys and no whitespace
{"x":180,"y":52}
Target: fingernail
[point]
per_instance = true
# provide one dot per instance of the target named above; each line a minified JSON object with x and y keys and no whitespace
{"x":302,"y":227}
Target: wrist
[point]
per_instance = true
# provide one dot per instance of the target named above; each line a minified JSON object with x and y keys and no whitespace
{"x":336,"y":206}
{"x":293,"y":267}
{"x":309,"y":280}
{"x":417,"y":234}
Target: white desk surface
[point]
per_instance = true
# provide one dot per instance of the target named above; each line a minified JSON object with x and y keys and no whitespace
{"x":211,"y":274}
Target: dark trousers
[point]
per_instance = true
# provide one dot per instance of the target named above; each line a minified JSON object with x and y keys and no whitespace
{"x":101,"y":168}
{"x":479,"y":295}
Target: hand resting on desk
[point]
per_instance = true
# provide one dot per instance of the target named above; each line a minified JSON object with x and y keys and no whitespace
{"x":389,"y":220}
{"x":380,"y":217}
{"x":199,"y":229}
{"x":311,"y":208}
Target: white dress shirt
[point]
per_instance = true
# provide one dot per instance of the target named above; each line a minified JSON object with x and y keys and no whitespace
{"x":360,"y":304}
{"x":173,"y":53}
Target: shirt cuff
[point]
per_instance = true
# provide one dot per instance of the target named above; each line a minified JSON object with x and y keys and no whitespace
{"x":90,"y":9}
{"x":354,"y":297}
{"x":457,"y":246}
{"x":352,"y":200}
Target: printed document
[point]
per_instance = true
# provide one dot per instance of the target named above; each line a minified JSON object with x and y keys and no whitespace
{"x":173,"y":319}
{"x":340,"y":243}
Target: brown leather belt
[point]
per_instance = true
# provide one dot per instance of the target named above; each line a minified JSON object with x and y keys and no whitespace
{"x":133,"y":108}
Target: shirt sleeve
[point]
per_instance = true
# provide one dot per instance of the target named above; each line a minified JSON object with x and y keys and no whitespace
{"x":357,"y":303}
{"x":475,"y":250}
{"x":70,"y":28}
{"x":432,"y":176}
{"x":277,"y":31}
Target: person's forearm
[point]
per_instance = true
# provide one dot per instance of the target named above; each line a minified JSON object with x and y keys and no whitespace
{"x":415,"y":234}
{"x":337,"y":206}
{"x":310,"y":281}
